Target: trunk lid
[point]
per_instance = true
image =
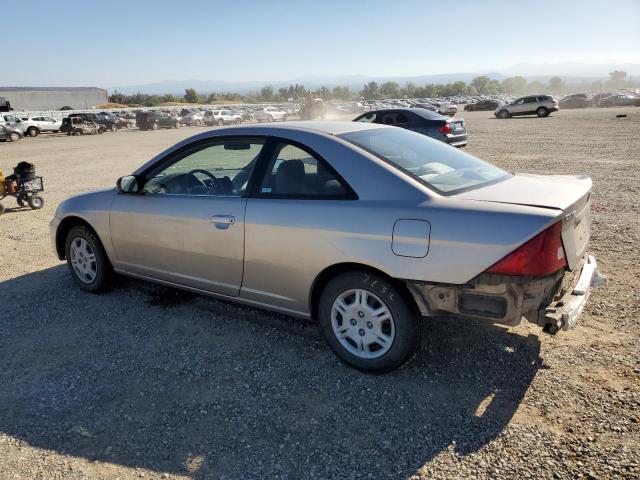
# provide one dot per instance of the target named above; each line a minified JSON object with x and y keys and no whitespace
{"x":567,"y":194}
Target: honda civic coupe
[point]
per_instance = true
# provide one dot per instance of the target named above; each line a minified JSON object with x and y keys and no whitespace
{"x":367,"y":229}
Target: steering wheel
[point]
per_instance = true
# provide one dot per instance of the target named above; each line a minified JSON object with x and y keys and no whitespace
{"x":215,"y":184}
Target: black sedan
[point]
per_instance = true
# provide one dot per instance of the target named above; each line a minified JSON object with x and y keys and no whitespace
{"x":482,"y":105}
{"x":420,"y":120}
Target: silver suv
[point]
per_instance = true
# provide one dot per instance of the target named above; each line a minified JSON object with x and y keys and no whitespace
{"x":540,"y":105}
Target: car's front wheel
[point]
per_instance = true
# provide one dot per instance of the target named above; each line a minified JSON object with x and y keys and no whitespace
{"x":367,"y":322}
{"x":32,"y":132}
{"x":14,"y":137}
{"x":503,"y":114}
{"x":87,"y":260}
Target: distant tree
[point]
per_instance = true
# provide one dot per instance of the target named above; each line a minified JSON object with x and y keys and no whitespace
{"x":617,"y":79}
{"x":342,"y":93}
{"x":66,"y":107}
{"x":514,"y":85}
{"x":556,"y":85}
{"x":190,"y":95}
{"x":536,"y":87}
{"x":266,"y":93}
{"x":390,"y":90}
{"x":370,"y":91}
{"x":324,"y":93}
{"x":481,"y":84}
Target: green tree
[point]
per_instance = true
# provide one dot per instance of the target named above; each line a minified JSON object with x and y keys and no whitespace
{"x":370,"y":91}
{"x":190,"y":95}
{"x":535,"y":87}
{"x":266,"y":93}
{"x":390,"y":90}
{"x":481,"y":84}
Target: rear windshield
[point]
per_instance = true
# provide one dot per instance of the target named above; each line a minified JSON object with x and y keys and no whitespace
{"x":437,"y":165}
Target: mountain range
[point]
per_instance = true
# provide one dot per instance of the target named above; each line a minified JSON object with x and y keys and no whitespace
{"x":570,"y":72}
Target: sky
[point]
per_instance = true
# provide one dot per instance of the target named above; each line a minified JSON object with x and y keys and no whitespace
{"x":133,"y":42}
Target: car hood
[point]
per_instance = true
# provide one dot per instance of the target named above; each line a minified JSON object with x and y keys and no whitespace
{"x":547,"y":191}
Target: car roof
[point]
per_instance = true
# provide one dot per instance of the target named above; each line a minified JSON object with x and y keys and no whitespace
{"x":328,"y":127}
{"x":423,"y":112}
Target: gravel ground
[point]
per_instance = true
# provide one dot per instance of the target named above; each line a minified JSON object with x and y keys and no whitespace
{"x":148,"y":382}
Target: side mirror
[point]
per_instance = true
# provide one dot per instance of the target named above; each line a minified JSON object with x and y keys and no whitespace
{"x":128,"y":184}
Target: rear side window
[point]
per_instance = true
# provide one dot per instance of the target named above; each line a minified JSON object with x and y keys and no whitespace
{"x":371,"y":117}
{"x":295,"y":173}
{"x":544,"y":98}
{"x":530,"y":100}
{"x":433,"y":163}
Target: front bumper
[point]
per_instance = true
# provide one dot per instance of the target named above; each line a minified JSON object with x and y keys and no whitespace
{"x":564,"y":313}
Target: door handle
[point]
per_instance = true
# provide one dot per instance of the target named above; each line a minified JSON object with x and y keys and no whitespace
{"x":223,"y":221}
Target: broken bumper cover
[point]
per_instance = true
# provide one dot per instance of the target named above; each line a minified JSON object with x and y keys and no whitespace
{"x":563,"y":313}
{"x":553,"y":302}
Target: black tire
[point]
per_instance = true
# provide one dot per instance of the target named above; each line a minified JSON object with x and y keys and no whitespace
{"x":154,"y":126}
{"x":503,"y":114}
{"x":1,"y":209}
{"x":35,"y":202}
{"x":114,"y":128}
{"x":198,"y":123}
{"x":221,"y":123}
{"x":542,"y":112}
{"x":405,"y":319}
{"x":104,"y":270}
{"x":238,"y":121}
{"x":32,"y":132}
{"x":14,"y":137}
{"x":22,"y":200}
{"x":177,"y":125}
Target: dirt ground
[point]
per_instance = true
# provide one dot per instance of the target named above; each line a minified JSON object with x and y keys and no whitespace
{"x":148,"y":382}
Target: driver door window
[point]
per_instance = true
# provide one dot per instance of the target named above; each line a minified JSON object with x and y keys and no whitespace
{"x":221,"y":169}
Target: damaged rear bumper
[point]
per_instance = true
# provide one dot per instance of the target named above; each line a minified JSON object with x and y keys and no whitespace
{"x":563,"y":313}
{"x":553,"y":302}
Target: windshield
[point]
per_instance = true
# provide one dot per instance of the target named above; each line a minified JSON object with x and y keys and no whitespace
{"x":437,"y":165}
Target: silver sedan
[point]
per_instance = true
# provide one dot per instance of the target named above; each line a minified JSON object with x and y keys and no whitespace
{"x":365,"y":228}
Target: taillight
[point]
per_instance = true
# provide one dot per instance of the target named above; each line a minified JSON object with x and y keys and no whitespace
{"x":446,"y":128}
{"x":542,"y":255}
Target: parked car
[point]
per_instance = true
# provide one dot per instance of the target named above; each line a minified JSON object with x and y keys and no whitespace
{"x":222,"y":117}
{"x":154,"y":120}
{"x":44,"y":124}
{"x":426,"y":122}
{"x":447,"y":108}
{"x":123,"y":121}
{"x":620,"y":101}
{"x":269,"y":114}
{"x":26,"y":127}
{"x":364,"y":228}
{"x":103,"y":120}
{"x":482,"y":105}
{"x":574,"y":102}
{"x":540,"y":105}
{"x":80,"y":126}
{"x":192,"y":117}
{"x":10,"y":134}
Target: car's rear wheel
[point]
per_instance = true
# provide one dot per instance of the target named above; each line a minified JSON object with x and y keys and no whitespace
{"x":87,"y":260}
{"x":367,"y":322}
{"x":154,"y":126}
{"x":221,"y":122}
{"x":503,"y":114}
{"x":198,"y":123}
{"x":542,"y":112}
